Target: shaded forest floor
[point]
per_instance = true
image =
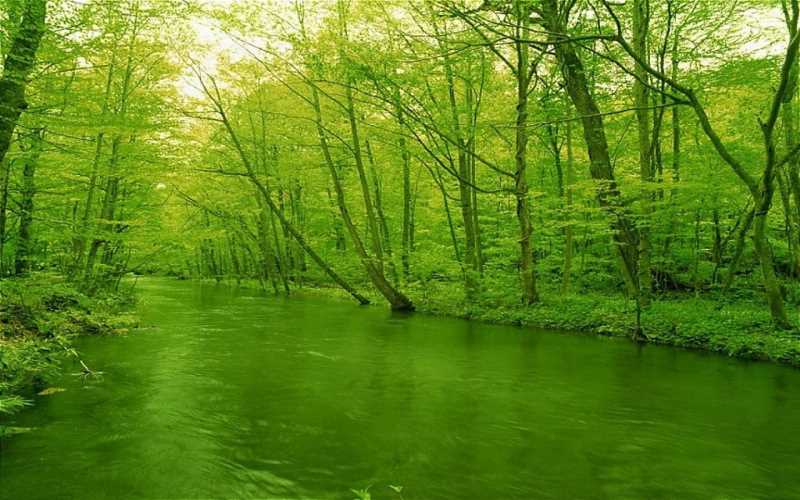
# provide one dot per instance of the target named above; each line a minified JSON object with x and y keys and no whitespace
{"x":40,"y":316}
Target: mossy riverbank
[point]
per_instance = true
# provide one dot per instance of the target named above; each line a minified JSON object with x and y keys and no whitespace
{"x":736,"y":330}
{"x":40,"y":316}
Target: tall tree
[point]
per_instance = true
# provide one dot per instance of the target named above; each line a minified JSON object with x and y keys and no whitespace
{"x":763,"y":188}
{"x":625,"y":234}
{"x":17,"y":66}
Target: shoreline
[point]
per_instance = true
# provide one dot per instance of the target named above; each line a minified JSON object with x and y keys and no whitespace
{"x":39,"y":326}
{"x":40,"y":317}
{"x":738,"y":330}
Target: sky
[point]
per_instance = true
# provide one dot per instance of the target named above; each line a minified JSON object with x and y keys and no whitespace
{"x":219,"y":43}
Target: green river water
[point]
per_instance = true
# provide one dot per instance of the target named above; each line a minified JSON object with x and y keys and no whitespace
{"x":230,"y":394}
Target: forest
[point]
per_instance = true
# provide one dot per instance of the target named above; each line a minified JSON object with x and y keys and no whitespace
{"x":622,"y":168}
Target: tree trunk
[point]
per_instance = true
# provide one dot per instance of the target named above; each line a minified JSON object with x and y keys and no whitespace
{"x":24,"y":249}
{"x":406,"y":157}
{"x":788,"y":225}
{"x":286,"y":250}
{"x":5,"y":175}
{"x":372,"y":219}
{"x":269,"y":260}
{"x":471,"y":268}
{"x":79,"y":242}
{"x":396,"y":299}
{"x":281,"y":265}
{"x":471,"y":144}
{"x":235,"y":264}
{"x":624,"y":232}
{"x":386,"y":242}
{"x":298,"y":210}
{"x":741,"y":240}
{"x":106,"y":211}
{"x":641,"y":18}
{"x":566,"y":274}
{"x":18,"y":64}
{"x":527,"y":273}
{"x":341,"y":242}
{"x":437,"y":179}
{"x":772,"y":287}
{"x":792,"y":190}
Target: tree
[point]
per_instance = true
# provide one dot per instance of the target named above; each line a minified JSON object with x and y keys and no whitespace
{"x":17,"y":66}
{"x":762,"y":189}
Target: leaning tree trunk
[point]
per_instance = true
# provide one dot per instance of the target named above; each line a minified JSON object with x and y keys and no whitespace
{"x":265,"y":196}
{"x":384,"y":226}
{"x":397,"y":300}
{"x":369,"y":206}
{"x":624,"y":232}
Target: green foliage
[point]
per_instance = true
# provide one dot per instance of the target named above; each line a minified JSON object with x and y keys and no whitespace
{"x":362,"y":494}
{"x":10,"y":405}
{"x":39,"y":317}
{"x":28,"y":363}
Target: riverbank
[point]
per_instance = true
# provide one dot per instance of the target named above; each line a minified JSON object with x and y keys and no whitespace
{"x":740,"y":328}
{"x":40,"y":316}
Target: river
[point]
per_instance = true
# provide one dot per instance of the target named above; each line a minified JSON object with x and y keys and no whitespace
{"x":226,"y":393}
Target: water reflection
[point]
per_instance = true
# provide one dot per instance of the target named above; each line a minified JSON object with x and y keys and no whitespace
{"x":232,"y":395}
